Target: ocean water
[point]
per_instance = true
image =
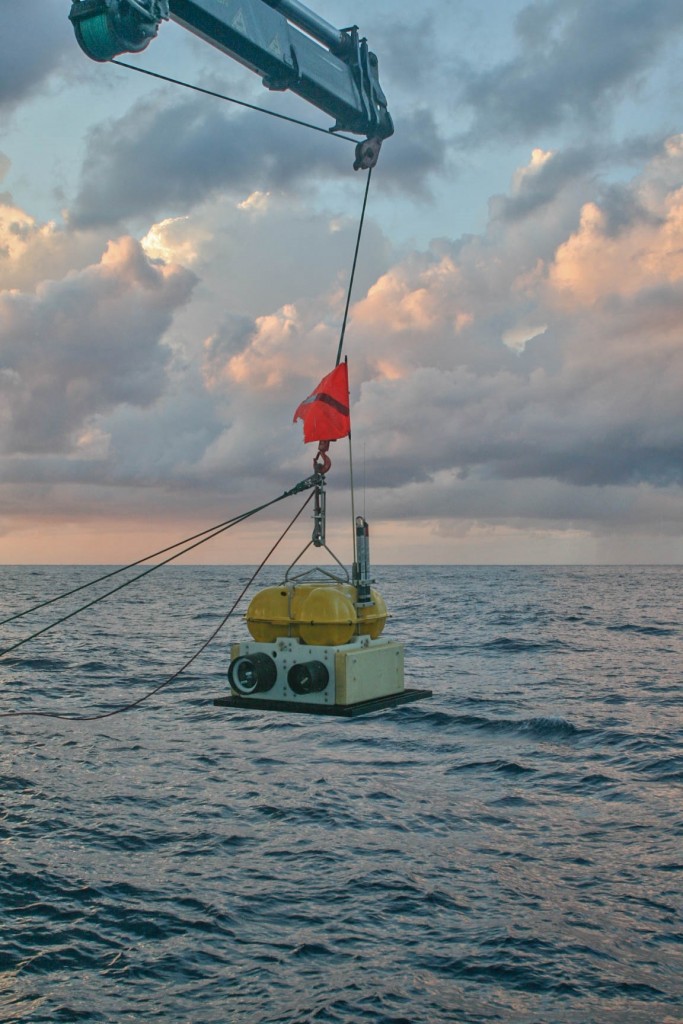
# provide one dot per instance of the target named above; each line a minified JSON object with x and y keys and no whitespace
{"x":511,"y":850}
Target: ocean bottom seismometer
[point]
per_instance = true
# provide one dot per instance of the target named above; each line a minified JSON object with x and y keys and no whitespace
{"x":317,"y":644}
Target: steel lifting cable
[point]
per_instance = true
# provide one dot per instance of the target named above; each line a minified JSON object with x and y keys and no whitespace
{"x":353,"y":267}
{"x":281,"y":117}
{"x":172,"y":678}
{"x":205,"y":536}
{"x":231,"y":99}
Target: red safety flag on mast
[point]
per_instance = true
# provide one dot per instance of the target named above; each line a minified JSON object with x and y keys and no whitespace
{"x":325,"y":413}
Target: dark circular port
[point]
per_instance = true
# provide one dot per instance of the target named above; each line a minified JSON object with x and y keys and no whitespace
{"x":312,"y":677}
{"x":252,"y":673}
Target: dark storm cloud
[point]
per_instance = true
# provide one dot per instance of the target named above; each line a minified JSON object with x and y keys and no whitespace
{"x":34,"y":36}
{"x":162,"y":159}
{"x":573,"y":57}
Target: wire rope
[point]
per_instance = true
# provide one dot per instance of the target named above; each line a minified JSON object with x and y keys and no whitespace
{"x":172,"y":678}
{"x":231,"y":99}
{"x":204,"y":538}
{"x":353,"y":268}
{"x":212,"y":530}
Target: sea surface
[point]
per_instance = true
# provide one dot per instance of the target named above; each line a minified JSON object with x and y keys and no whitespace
{"x":510,"y":850}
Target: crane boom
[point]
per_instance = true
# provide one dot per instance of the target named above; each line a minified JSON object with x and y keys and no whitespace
{"x":290,"y":46}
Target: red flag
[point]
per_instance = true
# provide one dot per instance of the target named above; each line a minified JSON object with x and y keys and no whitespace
{"x":326,"y":410}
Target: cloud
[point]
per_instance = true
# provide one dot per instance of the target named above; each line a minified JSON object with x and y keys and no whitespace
{"x":83,"y":345}
{"x":32,"y":251}
{"x":559,"y":73}
{"x":522,"y":354}
{"x":35,"y":36}
{"x":232,"y":363}
{"x":629,"y":244}
{"x":544,"y":178}
{"x":472,"y":358}
{"x":410,"y":158}
{"x":592,"y":397}
{"x":166,"y":157}
{"x":405,"y":47}
{"x":577,"y":171}
{"x":532,"y":372}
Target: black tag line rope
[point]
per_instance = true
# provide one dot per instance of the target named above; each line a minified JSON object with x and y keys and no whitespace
{"x":231,"y":99}
{"x":204,"y":536}
{"x":209,"y":534}
{"x":303,"y":485}
{"x":171,"y":679}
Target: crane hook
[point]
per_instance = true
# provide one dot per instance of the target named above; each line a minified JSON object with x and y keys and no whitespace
{"x":321,"y":460}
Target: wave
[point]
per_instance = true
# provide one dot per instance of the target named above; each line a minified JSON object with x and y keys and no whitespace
{"x":41,"y":664}
{"x":495,"y":765}
{"x":492,"y":854}
{"x":15,"y":784}
{"x":543,"y":726}
{"x":663,"y":769}
{"x":511,"y":645}
{"x":95,"y":667}
{"x":632,"y":627}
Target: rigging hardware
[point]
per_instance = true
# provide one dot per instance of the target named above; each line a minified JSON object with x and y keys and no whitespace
{"x":172,"y":678}
{"x":346,"y":672}
{"x":185,"y":547}
{"x":290,"y":46}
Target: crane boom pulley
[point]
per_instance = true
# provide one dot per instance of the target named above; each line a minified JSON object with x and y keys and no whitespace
{"x":290,"y":46}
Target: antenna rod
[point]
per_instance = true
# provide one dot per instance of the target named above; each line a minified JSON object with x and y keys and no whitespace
{"x":361,"y":569}
{"x":353,"y":505}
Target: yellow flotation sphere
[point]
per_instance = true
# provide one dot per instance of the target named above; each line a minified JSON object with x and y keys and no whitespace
{"x":318,"y":614}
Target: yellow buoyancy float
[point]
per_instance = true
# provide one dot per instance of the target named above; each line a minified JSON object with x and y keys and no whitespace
{"x":318,"y":614}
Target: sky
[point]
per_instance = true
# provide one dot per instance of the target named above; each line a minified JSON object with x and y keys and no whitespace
{"x":173,"y":271}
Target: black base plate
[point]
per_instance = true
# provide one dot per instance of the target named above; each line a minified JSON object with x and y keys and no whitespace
{"x":363,"y":707}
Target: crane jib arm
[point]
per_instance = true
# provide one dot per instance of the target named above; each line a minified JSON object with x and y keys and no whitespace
{"x":289,"y":45}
